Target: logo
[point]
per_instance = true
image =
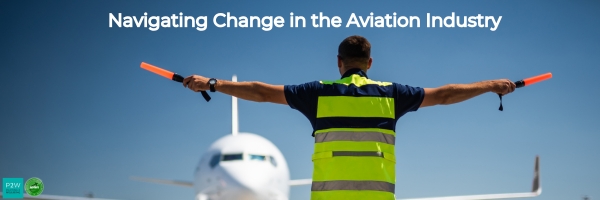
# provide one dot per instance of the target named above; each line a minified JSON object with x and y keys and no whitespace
{"x":12,"y":188}
{"x":34,"y":186}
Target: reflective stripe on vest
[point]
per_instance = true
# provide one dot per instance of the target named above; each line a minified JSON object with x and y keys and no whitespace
{"x":343,"y":106}
{"x":353,"y":185}
{"x":355,"y":136}
{"x":354,"y":140}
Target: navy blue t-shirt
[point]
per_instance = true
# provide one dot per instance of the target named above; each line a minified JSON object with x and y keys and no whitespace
{"x":304,"y":97}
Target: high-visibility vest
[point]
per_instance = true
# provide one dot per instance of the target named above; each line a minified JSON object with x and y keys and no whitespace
{"x":354,"y":140}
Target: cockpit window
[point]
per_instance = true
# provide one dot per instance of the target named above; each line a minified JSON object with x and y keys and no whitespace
{"x":272,"y":159}
{"x":230,"y":157}
{"x":241,"y":156}
{"x":214,"y":161}
{"x":258,"y":157}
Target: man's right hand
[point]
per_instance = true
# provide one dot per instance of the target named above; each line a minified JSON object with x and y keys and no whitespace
{"x":502,"y":86}
{"x":196,"y":83}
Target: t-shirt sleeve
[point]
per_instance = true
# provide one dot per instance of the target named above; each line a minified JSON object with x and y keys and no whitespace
{"x":303,"y":97}
{"x":407,"y":98}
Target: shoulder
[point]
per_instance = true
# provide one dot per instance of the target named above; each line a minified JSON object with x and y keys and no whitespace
{"x":407,"y":92}
{"x":303,"y":90}
{"x":402,"y":88}
{"x":380,"y":83}
{"x":302,"y":96}
{"x":303,"y":86}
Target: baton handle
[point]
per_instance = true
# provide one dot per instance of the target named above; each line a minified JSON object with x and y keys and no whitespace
{"x":520,"y":83}
{"x":179,"y":78}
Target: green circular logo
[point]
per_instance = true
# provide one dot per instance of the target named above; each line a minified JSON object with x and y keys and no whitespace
{"x":34,"y":186}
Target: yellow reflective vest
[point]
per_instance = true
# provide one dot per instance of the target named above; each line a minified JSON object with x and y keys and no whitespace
{"x":354,"y":140}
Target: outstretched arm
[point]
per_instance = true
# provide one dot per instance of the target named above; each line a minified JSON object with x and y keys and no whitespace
{"x":455,"y":93}
{"x":252,"y":91}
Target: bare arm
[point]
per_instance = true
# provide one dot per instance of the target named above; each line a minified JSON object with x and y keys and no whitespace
{"x":455,"y":93}
{"x":252,"y":91}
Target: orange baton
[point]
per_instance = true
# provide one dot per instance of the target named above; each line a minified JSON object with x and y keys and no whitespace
{"x":532,"y":80}
{"x":527,"y":82}
{"x":169,"y":75}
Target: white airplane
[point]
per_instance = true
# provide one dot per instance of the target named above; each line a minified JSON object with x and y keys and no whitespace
{"x":246,"y":166}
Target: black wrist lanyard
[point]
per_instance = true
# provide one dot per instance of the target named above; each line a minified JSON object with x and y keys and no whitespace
{"x":519,"y":84}
{"x":501,"y":108}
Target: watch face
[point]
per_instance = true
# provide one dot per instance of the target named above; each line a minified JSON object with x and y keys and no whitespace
{"x":212,"y":81}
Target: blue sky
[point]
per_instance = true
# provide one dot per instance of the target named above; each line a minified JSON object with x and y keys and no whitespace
{"x":78,"y":112}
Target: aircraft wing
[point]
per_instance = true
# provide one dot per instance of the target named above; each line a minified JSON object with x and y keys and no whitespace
{"x":162,"y":181}
{"x":536,"y":191}
{"x":55,"y":197}
{"x":298,"y":182}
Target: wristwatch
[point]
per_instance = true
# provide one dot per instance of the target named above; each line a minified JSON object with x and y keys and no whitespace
{"x":212,"y":82}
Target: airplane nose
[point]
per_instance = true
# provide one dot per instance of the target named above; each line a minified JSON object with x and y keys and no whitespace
{"x":252,"y":177}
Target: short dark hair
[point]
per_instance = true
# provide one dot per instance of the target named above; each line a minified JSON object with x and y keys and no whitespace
{"x":355,"y":49}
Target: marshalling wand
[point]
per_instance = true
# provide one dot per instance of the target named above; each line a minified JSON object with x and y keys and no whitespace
{"x":169,"y":75}
{"x":527,"y":82}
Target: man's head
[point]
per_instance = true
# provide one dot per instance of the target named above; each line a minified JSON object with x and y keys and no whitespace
{"x":354,"y":52}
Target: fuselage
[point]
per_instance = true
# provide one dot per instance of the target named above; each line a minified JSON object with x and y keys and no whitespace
{"x":244,"y":166}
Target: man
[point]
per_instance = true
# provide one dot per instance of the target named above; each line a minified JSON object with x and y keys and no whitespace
{"x":353,"y":119}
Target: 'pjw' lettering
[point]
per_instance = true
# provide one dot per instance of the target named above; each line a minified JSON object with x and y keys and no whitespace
{"x":13,"y":185}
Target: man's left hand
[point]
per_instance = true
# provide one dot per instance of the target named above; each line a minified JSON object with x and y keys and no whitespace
{"x":196,"y":83}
